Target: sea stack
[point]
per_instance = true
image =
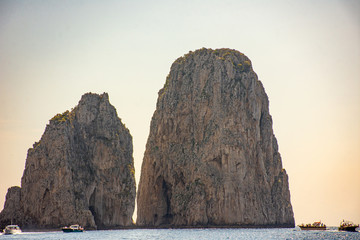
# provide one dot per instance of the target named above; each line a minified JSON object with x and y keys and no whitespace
{"x":80,"y":172}
{"x":211,"y":158}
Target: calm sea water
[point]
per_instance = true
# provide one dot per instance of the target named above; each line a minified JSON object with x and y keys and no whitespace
{"x":190,"y":234}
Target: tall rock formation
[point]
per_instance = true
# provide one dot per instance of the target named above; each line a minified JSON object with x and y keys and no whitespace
{"x":211,"y":158}
{"x":81,"y":171}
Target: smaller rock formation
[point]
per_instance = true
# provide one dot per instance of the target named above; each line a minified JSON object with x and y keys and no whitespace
{"x":81,"y":171}
{"x":12,"y":210}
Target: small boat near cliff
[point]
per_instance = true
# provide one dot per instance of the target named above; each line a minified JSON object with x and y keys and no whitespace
{"x":11,"y":229}
{"x":73,"y":228}
{"x":348,"y":226}
{"x":314,"y":226}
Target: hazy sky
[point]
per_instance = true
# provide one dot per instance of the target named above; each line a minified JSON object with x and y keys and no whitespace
{"x":306,"y":53}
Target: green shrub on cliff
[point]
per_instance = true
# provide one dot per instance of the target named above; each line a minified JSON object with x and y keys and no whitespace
{"x":61,"y":117}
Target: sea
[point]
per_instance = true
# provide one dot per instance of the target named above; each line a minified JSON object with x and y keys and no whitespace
{"x":198,"y":234}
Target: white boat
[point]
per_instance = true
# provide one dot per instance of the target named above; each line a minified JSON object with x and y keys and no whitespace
{"x":12,"y":229}
{"x":73,"y":228}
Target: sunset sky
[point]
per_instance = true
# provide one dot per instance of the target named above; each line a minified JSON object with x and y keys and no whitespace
{"x":306,"y":53}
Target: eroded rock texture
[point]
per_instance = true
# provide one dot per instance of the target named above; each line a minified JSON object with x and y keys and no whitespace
{"x":12,"y":210}
{"x":211,"y":156}
{"x":81,"y":171}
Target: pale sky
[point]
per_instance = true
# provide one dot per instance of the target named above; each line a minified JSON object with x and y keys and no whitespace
{"x":306,"y":53}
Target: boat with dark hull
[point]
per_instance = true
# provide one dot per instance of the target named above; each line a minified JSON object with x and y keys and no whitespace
{"x":348,"y":226}
{"x":314,"y":226}
{"x":73,"y":228}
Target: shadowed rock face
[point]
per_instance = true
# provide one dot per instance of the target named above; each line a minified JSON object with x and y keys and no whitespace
{"x":211,"y":156}
{"x":12,"y":210}
{"x":81,"y":171}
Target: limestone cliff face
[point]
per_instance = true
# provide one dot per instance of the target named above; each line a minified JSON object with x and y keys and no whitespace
{"x":81,"y":171}
{"x":211,"y":157}
{"x":12,"y":210}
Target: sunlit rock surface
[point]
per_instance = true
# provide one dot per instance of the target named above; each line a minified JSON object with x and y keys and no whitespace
{"x":211,"y":157}
{"x":81,"y":171}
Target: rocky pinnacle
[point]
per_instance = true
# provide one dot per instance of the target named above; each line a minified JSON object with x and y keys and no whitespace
{"x":81,"y":171}
{"x":211,"y":158}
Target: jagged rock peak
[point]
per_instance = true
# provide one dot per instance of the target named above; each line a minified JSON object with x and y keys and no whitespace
{"x":81,"y":171}
{"x":211,"y":157}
